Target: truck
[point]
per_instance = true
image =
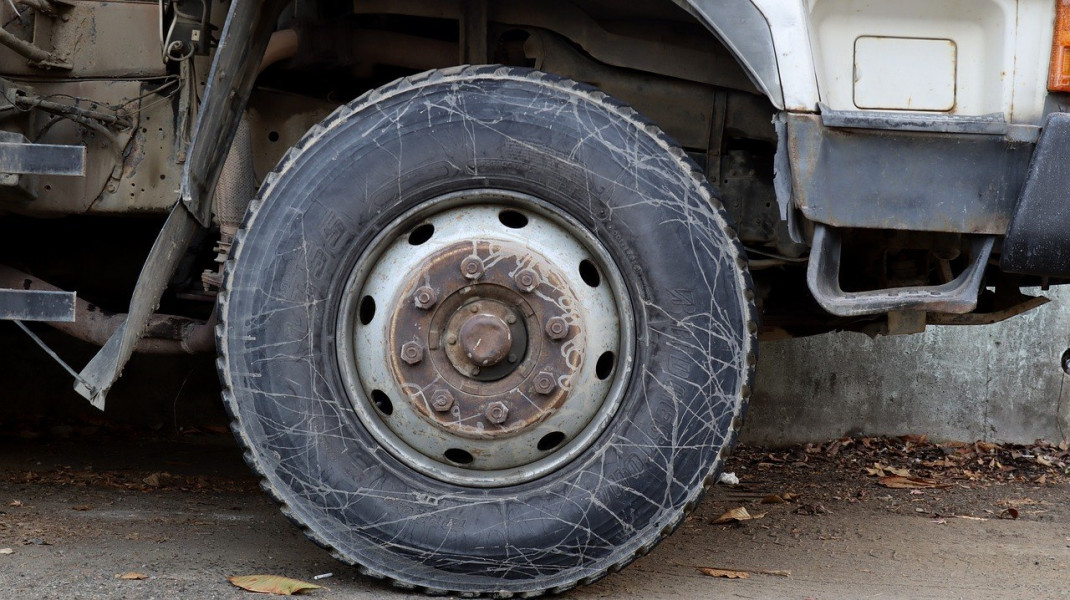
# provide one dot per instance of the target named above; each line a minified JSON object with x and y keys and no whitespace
{"x":486,"y":278}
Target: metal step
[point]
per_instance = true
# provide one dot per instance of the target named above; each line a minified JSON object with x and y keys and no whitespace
{"x":957,"y":296}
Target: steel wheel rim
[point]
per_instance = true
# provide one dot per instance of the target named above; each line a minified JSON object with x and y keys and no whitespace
{"x":374,"y":363}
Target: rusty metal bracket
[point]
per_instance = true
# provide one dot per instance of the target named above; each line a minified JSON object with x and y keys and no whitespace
{"x":97,"y":377}
{"x":957,"y":296}
{"x":36,"y":305}
{"x":245,"y":38}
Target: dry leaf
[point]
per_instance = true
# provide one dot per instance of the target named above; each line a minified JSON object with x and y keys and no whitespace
{"x":82,"y":508}
{"x":899,"y":472}
{"x":6,"y":551}
{"x":271,"y":584}
{"x":1043,"y":461}
{"x":910,"y":483}
{"x":725,"y":574}
{"x":737,"y":515}
{"x":15,"y":503}
{"x":132,"y":576}
{"x":773,"y":499}
{"x":1009,"y":513}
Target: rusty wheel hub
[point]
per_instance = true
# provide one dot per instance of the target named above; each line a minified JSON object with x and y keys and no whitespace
{"x":475,"y":348}
{"x":486,"y":339}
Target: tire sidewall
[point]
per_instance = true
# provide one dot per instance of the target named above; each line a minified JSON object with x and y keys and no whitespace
{"x":693,"y":353}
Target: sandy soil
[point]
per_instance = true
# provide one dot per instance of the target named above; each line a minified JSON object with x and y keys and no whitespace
{"x":77,"y":512}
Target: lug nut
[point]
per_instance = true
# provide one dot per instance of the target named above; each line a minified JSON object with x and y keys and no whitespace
{"x":442,"y":400}
{"x":451,"y":339}
{"x":497,"y":413}
{"x":424,"y":298}
{"x":472,"y":267}
{"x":412,"y":353}
{"x":510,"y":319}
{"x":544,"y":382}
{"x":556,"y":328}
{"x":526,"y":280}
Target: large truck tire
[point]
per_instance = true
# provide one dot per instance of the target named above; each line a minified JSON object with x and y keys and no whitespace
{"x":486,"y":331}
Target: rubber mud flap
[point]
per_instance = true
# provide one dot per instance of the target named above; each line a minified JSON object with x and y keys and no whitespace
{"x":1038,"y":241}
{"x":582,"y":158}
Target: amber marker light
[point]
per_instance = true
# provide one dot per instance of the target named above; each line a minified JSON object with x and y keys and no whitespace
{"x":1059,"y":75}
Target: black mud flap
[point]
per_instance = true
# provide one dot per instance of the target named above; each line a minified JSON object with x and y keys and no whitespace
{"x":1038,"y":241}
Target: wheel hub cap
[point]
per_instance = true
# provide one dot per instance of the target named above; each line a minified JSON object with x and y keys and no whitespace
{"x":488,"y":339}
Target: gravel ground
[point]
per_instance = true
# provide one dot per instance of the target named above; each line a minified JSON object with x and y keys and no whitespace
{"x":990,"y":522}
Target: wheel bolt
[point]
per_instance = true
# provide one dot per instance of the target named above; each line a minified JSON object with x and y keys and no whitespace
{"x":451,"y":339}
{"x":510,"y":319}
{"x":442,"y":400}
{"x":544,"y":382}
{"x":472,"y":267}
{"x":424,"y":298}
{"x":556,"y":328}
{"x":412,"y":353}
{"x":526,"y":280}
{"x":497,"y":413}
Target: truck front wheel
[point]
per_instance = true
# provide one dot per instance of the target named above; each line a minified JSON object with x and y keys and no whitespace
{"x":486,"y":331}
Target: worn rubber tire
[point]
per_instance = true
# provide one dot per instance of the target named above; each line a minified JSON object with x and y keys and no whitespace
{"x":595,"y":160}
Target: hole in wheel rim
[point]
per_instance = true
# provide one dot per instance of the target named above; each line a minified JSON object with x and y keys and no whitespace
{"x":382,"y":402}
{"x":458,"y":456}
{"x":551,"y":440}
{"x":421,"y":234}
{"x":367,"y":310}
{"x":604,"y":367}
{"x":589,"y":273}
{"x":513,"y":219}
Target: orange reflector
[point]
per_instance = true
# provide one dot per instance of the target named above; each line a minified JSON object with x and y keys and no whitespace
{"x":1059,"y":75}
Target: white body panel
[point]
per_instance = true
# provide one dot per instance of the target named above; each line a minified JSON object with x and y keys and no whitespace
{"x":1001,"y":54}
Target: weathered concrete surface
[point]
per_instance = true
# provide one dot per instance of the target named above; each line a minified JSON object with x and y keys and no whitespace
{"x":74,"y":516}
{"x":999,"y":383}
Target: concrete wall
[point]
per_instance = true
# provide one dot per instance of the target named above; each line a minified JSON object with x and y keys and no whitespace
{"x":999,"y":383}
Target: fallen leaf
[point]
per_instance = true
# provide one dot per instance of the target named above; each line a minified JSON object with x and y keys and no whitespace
{"x":271,"y":584}
{"x":1009,"y":513}
{"x":737,"y":515}
{"x":132,"y":576}
{"x":6,"y":551}
{"x":910,"y":483}
{"x":773,"y":499}
{"x":15,"y":503}
{"x":1043,"y":461}
{"x":899,"y":472}
{"x":82,"y":508}
{"x":725,"y":574}
{"x":915,"y":439}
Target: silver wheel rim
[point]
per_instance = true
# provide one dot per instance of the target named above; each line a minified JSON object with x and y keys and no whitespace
{"x":397,"y":359}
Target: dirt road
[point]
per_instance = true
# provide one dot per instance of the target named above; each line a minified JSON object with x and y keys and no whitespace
{"x":77,"y":512}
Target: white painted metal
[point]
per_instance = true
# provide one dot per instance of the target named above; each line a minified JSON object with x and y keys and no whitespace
{"x":904,"y":73}
{"x":1002,"y":50}
{"x":788,"y":22}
